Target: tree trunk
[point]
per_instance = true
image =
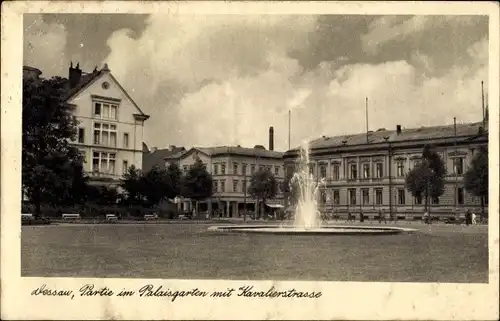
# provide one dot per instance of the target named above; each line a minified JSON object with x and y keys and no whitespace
{"x":37,"y":203}
{"x":426,"y":199}
{"x":482,"y":207}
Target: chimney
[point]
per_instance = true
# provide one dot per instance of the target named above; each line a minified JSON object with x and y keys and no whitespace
{"x":153,"y":149}
{"x":171,"y":147}
{"x":398,"y":129}
{"x":74,"y":75}
{"x":271,"y":138}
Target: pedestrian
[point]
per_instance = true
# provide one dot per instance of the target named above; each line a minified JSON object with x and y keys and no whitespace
{"x":383,"y":216}
{"x":379,"y":216}
{"x":474,"y":219}
{"x":361,"y":217}
{"x":426,"y":217}
{"x":468,"y":217}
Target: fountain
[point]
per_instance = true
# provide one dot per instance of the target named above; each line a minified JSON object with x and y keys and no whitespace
{"x":307,"y":217}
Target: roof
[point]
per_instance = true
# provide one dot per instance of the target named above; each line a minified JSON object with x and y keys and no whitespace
{"x":239,"y":151}
{"x":158,"y":157}
{"x":85,"y":80}
{"x":406,"y":135}
{"x":88,"y":78}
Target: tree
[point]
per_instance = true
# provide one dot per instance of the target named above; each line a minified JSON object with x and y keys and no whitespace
{"x":290,"y":189}
{"x":263,"y":186}
{"x":476,"y":177}
{"x":157,"y":186}
{"x":132,"y":182}
{"x":50,"y":164}
{"x":197,"y":183}
{"x":102,"y":195}
{"x":427,"y":178}
{"x":175,"y":174}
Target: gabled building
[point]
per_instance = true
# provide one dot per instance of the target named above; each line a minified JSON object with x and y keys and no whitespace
{"x":111,"y":124}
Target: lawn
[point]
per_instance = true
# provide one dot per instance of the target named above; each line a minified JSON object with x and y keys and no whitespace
{"x":433,"y":254}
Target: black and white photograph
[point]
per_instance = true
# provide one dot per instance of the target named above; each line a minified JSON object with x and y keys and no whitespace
{"x":240,"y":146}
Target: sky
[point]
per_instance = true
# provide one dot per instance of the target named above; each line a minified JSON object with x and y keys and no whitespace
{"x":213,"y":80}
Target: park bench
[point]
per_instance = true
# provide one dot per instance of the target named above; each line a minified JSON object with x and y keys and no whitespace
{"x":26,"y":216}
{"x":70,"y":217}
{"x":111,"y":217}
{"x":148,"y":217}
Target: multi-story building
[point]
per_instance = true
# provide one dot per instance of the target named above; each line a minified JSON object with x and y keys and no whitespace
{"x":111,"y":125}
{"x":231,"y":169}
{"x":367,"y":171}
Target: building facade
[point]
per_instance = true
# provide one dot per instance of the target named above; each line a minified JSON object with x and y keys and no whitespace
{"x":366,"y":172}
{"x":110,"y":124}
{"x":231,"y":169}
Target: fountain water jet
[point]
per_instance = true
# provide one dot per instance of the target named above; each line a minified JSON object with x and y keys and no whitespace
{"x":307,"y":215}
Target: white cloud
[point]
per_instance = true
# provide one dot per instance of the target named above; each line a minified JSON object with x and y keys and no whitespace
{"x":250,"y":82}
{"x":44,"y":45}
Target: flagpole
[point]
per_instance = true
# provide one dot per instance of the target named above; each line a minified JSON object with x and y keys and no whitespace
{"x":289,"y":127}
{"x":366,"y":110}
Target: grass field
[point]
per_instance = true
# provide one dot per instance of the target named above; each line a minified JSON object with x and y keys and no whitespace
{"x":439,"y":253}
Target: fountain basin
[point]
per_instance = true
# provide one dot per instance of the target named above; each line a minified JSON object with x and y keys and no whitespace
{"x":325,"y":230}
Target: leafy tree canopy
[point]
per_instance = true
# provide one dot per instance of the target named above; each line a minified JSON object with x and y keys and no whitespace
{"x":263,"y":185}
{"x":476,"y":177}
{"x":50,"y":165}
{"x":197,"y":183}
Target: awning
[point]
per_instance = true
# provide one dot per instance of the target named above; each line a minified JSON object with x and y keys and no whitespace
{"x":275,"y":205}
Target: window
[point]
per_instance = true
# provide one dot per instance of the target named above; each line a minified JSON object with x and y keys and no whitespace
{"x":252,"y":169}
{"x":401,"y":196}
{"x":460,"y":196}
{"x":336,"y":197}
{"x":311,"y":169}
{"x":379,"y":200}
{"x":214,"y":186}
{"x":261,"y":168}
{"x":352,"y":196}
{"x":125,"y":166}
{"x":223,"y":169}
{"x":105,"y":111}
{"x":458,"y":166}
{"x":379,"y":170}
{"x":418,"y":199}
{"x":222,"y":186}
{"x":81,"y":135}
{"x":322,"y":171}
{"x":125,"y":140}
{"x":105,"y":134}
{"x":322,"y":197}
{"x":235,"y":185}
{"x":244,"y":169}
{"x":185,"y":168}
{"x":216,"y":169}
{"x":365,"y":196}
{"x":103,"y":162}
{"x":353,"y":171}
{"x":235,"y":168}
{"x":400,"y":168}
{"x":435,"y":200}
{"x":97,"y":109}
{"x":276,"y":171}
{"x":415,"y":163}
{"x":336,"y":172}
{"x":366,"y":171}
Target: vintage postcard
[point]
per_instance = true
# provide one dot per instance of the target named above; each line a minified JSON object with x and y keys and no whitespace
{"x":249,"y":160}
